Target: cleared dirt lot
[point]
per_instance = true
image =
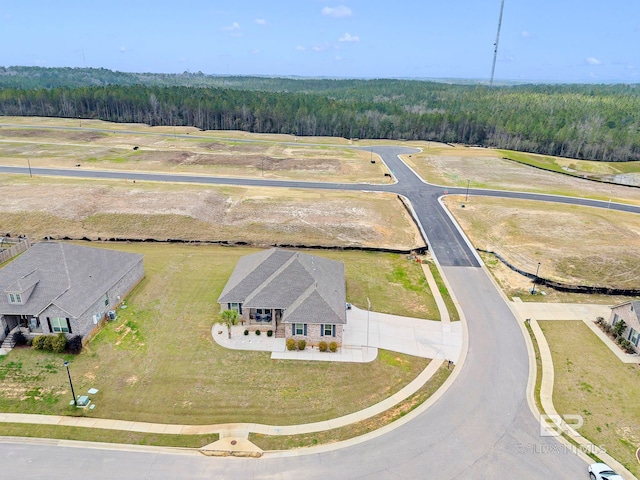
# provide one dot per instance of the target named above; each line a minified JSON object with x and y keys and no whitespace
{"x":484,"y":168}
{"x":113,"y":149}
{"x":574,"y":245}
{"x":94,"y":209}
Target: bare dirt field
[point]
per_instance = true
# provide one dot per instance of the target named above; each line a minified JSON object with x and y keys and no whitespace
{"x":111,"y":148}
{"x":484,"y":168}
{"x":94,"y":209}
{"x":574,"y":245}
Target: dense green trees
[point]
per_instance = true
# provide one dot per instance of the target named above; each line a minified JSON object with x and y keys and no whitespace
{"x":600,"y":122}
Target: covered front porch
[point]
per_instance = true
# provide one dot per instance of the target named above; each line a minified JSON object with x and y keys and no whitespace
{"x":28,"y":323}
{"x":264,"y":317}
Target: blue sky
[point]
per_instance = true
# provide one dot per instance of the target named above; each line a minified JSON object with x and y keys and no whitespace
{"x":541,"y":40}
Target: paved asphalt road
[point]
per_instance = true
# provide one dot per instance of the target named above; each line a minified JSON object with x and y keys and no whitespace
{"x":480,"y":428}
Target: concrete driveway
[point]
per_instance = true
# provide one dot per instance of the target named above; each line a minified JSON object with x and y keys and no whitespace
{"x":413,"y":336}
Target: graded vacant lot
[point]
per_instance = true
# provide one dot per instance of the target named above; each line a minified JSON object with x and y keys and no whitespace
{"x":127,"y":147}
{"x":574,"y":245}
{"x":95,"y":209}
{"x":485,"y":168}
{"x":158,"y":363}
{"x":590,"y":381}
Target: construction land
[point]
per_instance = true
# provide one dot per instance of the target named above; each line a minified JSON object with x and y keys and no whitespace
{"x":574,"y":245}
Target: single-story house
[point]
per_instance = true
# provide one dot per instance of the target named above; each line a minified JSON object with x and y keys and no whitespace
{"x":630,"y":313}
{"x":297,"y":295}
{"x":60,"y":287}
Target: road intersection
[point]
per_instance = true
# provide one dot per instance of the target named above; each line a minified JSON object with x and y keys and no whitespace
{"x":481,"y":427}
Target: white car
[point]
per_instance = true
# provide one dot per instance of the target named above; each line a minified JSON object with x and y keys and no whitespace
{"x":602,"y":471}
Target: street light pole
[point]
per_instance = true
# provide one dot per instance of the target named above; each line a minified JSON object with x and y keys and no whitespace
{"x":29,"y":165}
{"x":533,"y":290}
{"x":466,"y":197}
{"x":66,"y":364}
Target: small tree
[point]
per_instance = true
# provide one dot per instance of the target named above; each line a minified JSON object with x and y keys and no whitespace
{"x":619,"y":327}
{"x":230,"y":318}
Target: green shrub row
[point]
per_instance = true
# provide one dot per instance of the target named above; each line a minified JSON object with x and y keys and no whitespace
{"x":56,"y":343}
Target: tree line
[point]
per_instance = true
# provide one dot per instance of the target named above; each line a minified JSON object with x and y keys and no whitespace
{"x":599,"y":122}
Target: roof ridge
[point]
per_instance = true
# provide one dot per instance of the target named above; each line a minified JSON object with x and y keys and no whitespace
{"x":298,"y":301}
{"x":268,"y":280}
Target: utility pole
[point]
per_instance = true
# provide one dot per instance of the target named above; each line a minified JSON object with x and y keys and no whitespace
{"x":368,"y":315}
{"x":466,"y":197}
{"x":495,"y":50}
{"x":29,"y":165}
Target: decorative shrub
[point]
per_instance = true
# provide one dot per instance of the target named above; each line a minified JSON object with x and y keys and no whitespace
{"x":59,"y":343}
{"x":246,"y":332}
{"x":619,"y":327}
{"x":74,"y":345}
{"x":600,"y":320}
{"x":269,"y":333}
{"x":323,"y":346}
{"x":333,"y":347}
{"x":20,"y":338}
{"x":38,"y":342}
{"x":257,"y":332}
{"x":291,"y":344}
{"x":48,"y":342}
{"x":302,"y":344}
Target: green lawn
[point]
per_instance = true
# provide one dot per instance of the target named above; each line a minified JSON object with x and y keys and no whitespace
{"x":158,"y":363}
{"x":592,"y":382}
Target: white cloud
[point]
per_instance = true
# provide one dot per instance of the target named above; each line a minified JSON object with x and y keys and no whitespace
{"x":337,"y":12}
{"x":594,"y":61}
{"x":123,"y":49}
{"x":260,"y":21}
{"x":320,"y":48}
{"x":525,"y":34}
{"x":347,"y":37}
{"x":300,"y":48}
{"x":255,"y":51}
{"x":338,"y":59}
{"x":233,"y":27}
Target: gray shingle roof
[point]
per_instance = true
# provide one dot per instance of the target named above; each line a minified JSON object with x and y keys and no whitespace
{"x":305,"y":286}
{"x":70,"y":276}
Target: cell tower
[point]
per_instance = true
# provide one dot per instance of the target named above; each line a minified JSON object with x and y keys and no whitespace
{"x":495,"y":50}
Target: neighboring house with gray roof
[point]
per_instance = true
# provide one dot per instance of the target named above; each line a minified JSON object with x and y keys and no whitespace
{"x":630,"y":313}
{"x":297,"y":295}
{"x":60,"y":287}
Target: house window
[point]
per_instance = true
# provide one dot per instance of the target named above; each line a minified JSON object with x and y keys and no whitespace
{"x":328,"y":330}
{"x":634,"y":336}
{"x":235,"y":306}
{"x":299,"y":328}
{"x":12,"y":298}
{"x":60,"y":324}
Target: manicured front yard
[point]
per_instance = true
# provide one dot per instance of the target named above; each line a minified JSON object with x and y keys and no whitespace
{"x":158,"y":363}
{"x":592,"y":382}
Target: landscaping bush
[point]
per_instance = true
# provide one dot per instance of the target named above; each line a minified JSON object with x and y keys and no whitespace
{"x":627,"y":346}
{"x":246,"y":332}
{"x":600,"y":320}
{"x":323,"y":346}
{"x":59,"y":343}
{"x":257,"y":332}
{"x":302,"y":344}
{"x":48,"y":342}
{"x":20,"y":338}
{"x":619,"y":327}
{"x":269,"y":333}
{"x":291,"y":344}
{"x":74,"y":345}
{"x":38,"y":342}
{"x":333,"y":347}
